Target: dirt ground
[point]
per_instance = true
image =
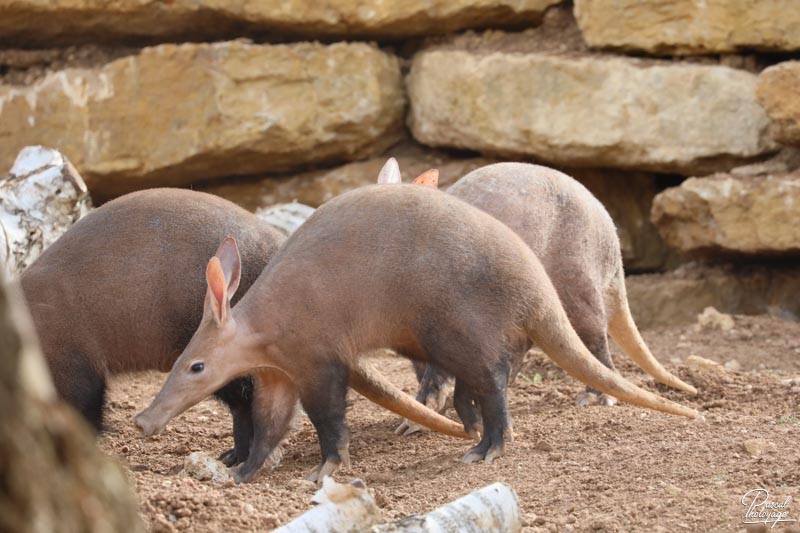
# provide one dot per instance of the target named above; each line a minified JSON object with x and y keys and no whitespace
{"x":616,"y":468}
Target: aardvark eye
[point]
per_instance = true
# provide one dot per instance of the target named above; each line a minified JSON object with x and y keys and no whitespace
{"x":198,"y":367}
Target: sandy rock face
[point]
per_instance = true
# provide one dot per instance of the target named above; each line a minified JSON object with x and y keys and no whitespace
{"x":174,"y":114}
{"x":688,"y":26}
{"x":126,"y":20}
{"x":678,"y":297}
{"x":588,"y":110}
{"x":748,"y":215}
{"x":778,"y":91}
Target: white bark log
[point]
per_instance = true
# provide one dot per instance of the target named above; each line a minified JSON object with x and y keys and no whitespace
{"x":492,"y":508}
{"x":340,"y":508}
{"x":346,"y":508}
{"x":40,"y":198}
{"x":286,"y":217}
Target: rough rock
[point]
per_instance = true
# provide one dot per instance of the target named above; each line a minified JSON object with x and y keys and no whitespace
{"x":302,"y":485}
{"x":24,"y":67}
{"x":677,"y":297}
{"x":175,"y":114}
{"x":732,"y":365}
{"x":786,"y":161}
{"x":587,"y":110}
{"x":710,"y":318}
{"x":758,"y":447}
{"x":41,"y":198}
{"x":701,"y":364}
{"x":732,"y":214}
{"x":70,"y":21}
{"x":689,"y":27}
{"x":627,"y":195}
{"x":203,"y":467}
{"x":778,"y":91}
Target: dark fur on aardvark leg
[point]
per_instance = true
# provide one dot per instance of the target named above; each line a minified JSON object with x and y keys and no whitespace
{"x":467,"y":410}
{"x":238,"y":396}
{"x":496,"y":423}
{"x":265,"y":445}
{"x":324,"y":403}
{"x":273,"y":407}
{"x":94,"y":402}
{"x":435,"y":386}
{"x":82,"y":386}
{"x":242,"y":437}
{"x":419,"y":369}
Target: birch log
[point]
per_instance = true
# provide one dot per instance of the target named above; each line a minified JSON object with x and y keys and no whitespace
{"x":349,"y":508}
{"x":491,"y":509}
{"x":340,"y":507}
{"x":40,"y":198}
{"x":286,"y":217}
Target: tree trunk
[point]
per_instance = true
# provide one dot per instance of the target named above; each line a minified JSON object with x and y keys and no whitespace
{"x":52,"y":476}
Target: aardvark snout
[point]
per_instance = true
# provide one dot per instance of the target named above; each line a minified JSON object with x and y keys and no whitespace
{"x":147,"y":425}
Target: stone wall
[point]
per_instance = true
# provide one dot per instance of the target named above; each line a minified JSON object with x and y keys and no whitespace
{"x":269,"y":102}
{"x":174,"y":114}
{"x":690,"y":27}
{"x":82,"y":21}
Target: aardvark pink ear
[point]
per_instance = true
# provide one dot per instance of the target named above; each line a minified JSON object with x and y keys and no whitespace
{"x":228,"y":255}
{"x":390,"y":173}
{"x":223,"y":273}
{"x":429,"y":178}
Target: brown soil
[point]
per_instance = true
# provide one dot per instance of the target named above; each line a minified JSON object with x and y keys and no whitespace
{"x":574,"y":469}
